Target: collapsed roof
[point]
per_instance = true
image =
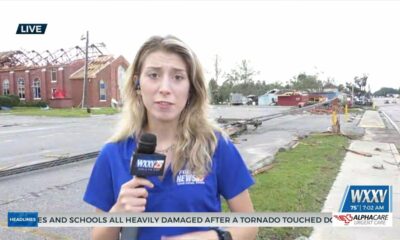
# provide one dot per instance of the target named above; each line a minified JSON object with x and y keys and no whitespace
{"x":94,"y":67}
{"x":24,"y":58}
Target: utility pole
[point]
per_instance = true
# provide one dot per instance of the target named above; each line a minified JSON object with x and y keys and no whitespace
{"x":85,"y":95}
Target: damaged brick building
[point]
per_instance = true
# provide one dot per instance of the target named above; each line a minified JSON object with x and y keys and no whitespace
{"x":57,"y":78}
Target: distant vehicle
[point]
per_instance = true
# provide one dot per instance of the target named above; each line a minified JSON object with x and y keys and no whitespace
{"x":386,"y":102}
{"x":252,"y":100}
{"x":363,"y":101}
{"x":236,"y":99}
{"x":394,"y":101}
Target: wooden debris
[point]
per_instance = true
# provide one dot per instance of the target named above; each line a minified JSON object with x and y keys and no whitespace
{"x":378,"y":166}
{"x":359,"y":153}
{"x":263,"y":169}
{"x":308,"y":144}
{"x":295,"y":145}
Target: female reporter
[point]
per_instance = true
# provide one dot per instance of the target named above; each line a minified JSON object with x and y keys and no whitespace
{"x":165,"y":94}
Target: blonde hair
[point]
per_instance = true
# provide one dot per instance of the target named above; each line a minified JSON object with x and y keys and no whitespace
{"x":196,"y":136}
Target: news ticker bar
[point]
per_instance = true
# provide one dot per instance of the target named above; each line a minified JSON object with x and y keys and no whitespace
{"x":168,"y":219}
{"x":257,"y":219}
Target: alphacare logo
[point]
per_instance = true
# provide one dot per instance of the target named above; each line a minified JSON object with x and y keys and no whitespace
{"x":346,"y":218}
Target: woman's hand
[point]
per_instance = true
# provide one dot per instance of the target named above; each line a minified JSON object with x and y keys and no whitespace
{"x":132,"y":196}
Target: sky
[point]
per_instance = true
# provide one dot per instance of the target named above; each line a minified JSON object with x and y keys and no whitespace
{"x":280,"y":39}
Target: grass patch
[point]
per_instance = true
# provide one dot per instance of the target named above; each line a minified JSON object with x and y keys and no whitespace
{"x":360,"y":108}
{"x":61,"y":112}
{"x":356,"y":110}
{"x":299,"y":182}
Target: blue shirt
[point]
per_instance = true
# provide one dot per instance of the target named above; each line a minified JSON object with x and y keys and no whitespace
{"x":187,"y":193}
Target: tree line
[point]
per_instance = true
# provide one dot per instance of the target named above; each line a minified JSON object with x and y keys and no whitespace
{"x":385,"y":91}
{"x":242,"y":79}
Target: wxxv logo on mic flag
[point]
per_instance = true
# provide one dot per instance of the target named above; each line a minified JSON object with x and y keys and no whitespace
{"x":365,"y":206}
{"x":147,"y":164}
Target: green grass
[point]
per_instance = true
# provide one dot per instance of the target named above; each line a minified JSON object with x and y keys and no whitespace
{"x":362,"y":109}
{"x":299,"y":181}
{"x":356,"y":110}
{"x":61,"y":112}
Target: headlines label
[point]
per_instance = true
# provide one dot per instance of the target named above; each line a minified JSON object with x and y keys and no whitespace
{"x":22,"y":219}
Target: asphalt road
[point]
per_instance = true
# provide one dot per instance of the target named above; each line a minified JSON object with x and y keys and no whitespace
{"x":57,"y":189}
{"x":391,"y":109}
{"x":60,"y":189}
{"x":26,"y":140}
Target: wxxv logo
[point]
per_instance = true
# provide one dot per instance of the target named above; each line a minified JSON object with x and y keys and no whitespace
{"x":31,"y":28}
{"x":365,"y":205}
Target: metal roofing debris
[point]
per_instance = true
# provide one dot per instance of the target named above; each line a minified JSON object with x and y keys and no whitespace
{"x":23,"y":58}
{"x":93,"y":68}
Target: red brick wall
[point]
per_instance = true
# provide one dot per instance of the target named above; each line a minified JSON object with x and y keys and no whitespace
{"x":94,"y":88}
{"x":49,"y":83}
{"x":120,"y":61}
{"x":28,"y":84}
{"x":68,"y":71}
{"x":76,"y":95}
{"x":109,"y":75}
{"x":72,"y":88}
{"x":60,"y":103}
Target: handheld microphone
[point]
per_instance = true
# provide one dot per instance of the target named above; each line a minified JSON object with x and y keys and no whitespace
{"x":145,"y":162}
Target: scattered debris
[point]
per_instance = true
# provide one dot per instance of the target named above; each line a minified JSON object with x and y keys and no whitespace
{"x":378,"y":166}
{"x":295,"y":145}
{"x":58,"y":156}
{"x":330,"y":133}
{"x":263,"y":169}
{"x":235,"y":128}
{"x":3,"y":168}
{"x":9,"y":125}
{"x":309,"y":144}
{"x":321,"y":111}
{"x":34,"y":194}
{"x":299,"y":137}
{"x":395,"y":164}
{"x":281,"y":149}
{"x":359,"y":153}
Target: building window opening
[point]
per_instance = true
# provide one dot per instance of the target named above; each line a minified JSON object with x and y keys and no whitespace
{"x":21,"y":88}
{"x":54,"y":74}
{"x":102,"y":90}
{"x":36,"y":89}
{"x":6,"y":87}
